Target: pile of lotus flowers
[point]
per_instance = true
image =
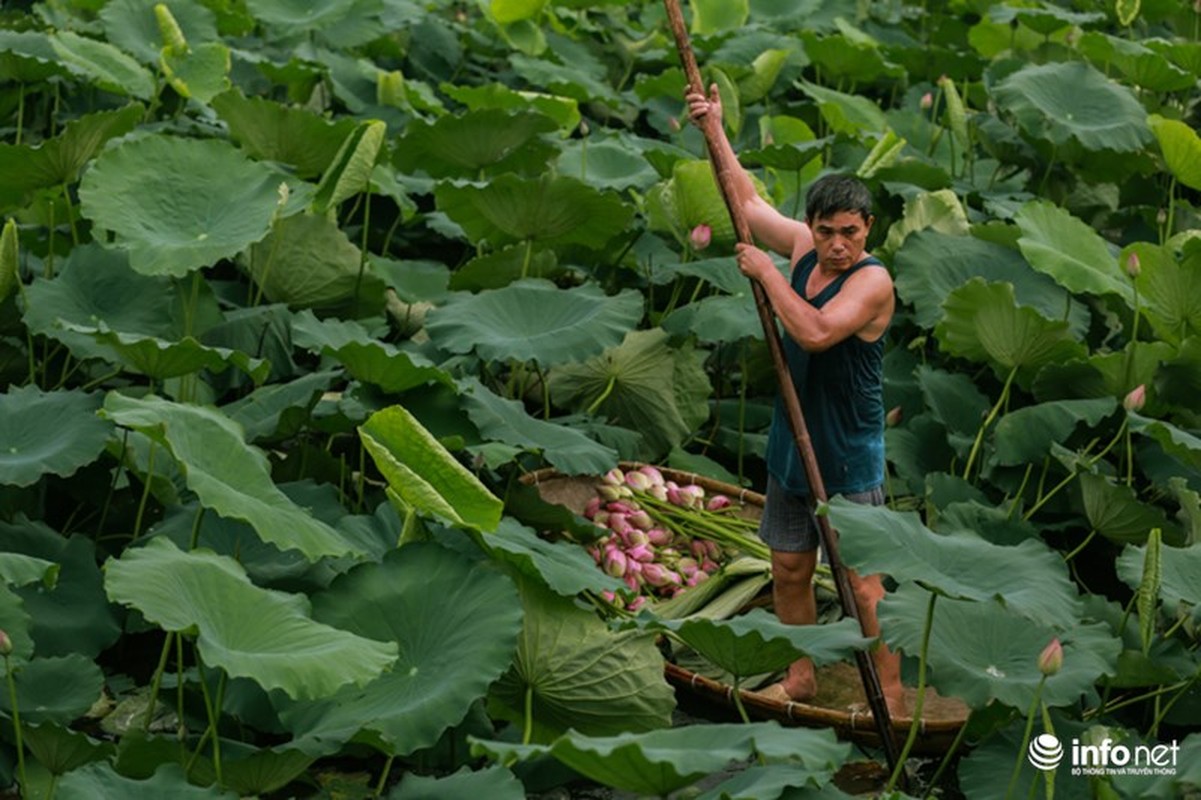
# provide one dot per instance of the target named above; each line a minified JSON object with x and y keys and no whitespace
{"x":663,"y":537}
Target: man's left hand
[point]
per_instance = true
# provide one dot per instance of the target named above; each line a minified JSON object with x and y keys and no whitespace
{"x":753,"y":262}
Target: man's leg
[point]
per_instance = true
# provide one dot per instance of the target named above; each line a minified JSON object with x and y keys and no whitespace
{"x":868,"y":591}
{"x":792,"y":593}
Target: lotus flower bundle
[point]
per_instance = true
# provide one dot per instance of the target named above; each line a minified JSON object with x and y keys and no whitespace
{"x":663,"y":537}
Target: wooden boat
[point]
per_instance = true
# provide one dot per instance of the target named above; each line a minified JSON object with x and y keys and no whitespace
{"x":840,"y":704}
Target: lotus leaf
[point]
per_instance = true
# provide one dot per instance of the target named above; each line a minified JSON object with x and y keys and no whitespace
{"x":690,"y":198}
{"x":56,"y":690}
{"x":273,"y":132}
{"x":466,"y":146}
{"x":160,"y":360}
{"x":718,"y":16}
{"x":983,"y":322}
{"x":644,"y":384}
{"x":350,"y":171}
{"x":607,"y":163}
{"x":1060,"y":245}
{"x":279,"y":409}
{"x":986,"y":772}
{"x":58,"y":160}
{"x":455,"y":622}
{"x":16,"y":622}
{"x":1025,"y":434}
{"x":29,"y":57}
{"x":756,"y":642}
{"x":278,"y":646}
{"x":778,"y":780}
{"x":1142,"y":65}
{"x":721,"y":318}
{"x":1170,"y":291}
{"x":954,"y":400}
{"x":849,"y":55}
{"x":1044,"y":19}
{"x":983,"y":651}
{"x":1180,"y":443}
{"x":52,"y":433}
{"x":1181,"y":148}
{"x":549,"y":210}
{"x":500,"y":268}
{"x":179,"y":204}
{"x":131,"y":25}
{"x":846,"y":113}
{"x":308,"y":262}
{"x":100,"y":781}
{"x":571,"y":672}
{"x":931,"y":264}
{"x":660,"y":762}
{"x":940,"y":211}
{"x":579,"y":74}
{"x":365,"y":357}
{"x":298,"y":16}
{"x":565,"y":567}
{"x":1070,"y":102}
{"x":200,"y":72}
{"x":1115,"y":511}
{"x":1030,"y":579}
{"x":424,"y":474}
{"x":495,"y":783}
{"x":563,"y":110}
{"x":229,"y":476}
{"x":568,"y":450}
{"x":108,"y":66}
{"x":534,"y":320}
{"x":61,"y":749}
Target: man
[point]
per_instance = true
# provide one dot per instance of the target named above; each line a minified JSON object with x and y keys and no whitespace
{"x":835,"y":310}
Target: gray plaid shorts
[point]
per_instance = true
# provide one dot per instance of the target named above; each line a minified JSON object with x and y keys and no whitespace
{"x":788,"y":523}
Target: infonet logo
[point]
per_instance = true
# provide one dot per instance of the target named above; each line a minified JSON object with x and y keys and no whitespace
{"x":1107,"y":758}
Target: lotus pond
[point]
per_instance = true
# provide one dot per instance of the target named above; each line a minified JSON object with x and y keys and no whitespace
{"x":293,"y":295}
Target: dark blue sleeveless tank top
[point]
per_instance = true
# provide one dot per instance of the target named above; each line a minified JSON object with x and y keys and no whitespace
{"x":842,"y":398}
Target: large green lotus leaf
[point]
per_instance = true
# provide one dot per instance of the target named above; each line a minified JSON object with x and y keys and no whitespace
{"x":132,"y":25}
{"x":28,"y":57}
{"x":1043,"y":20}
{"x":1179,"y":567}
{"x":57,"y":690}
{"x":989,"y":522}
{"x":178,"y":204}
{"x":278,"y":410}
{"x":60,"y":749}
{"x":1181,"y":148}
{"x":48,"y":433}
{"x":1136,"y":363}
{"x":549,"y":210}
{"x":1072,"y":101}
{"x":298,"y":16}
{"x":720,"y":318}
{"x":499,"y":268}
{"x":1062,"y":246}
{"x":58,"y":160}
{"x":846,"y":113}
{"x":563,"y":110}
{"x":465,"y":145}
{"x":100,"y":781}
{"x":16,"y":622}
{"x":1180,"y":443}
{"x":364,"y":356}
{"x":308,"y":262}
{"x":718,"y":16}
{"x":1030,"y":578}
{"x":535,"y":320}
{"x":1140,"y":64}
{"x":160,"y":359}
{"x":247,"y":631}
{"x":687,"y":199}
{"x":984,"y":774}
{"x":983,"y":322}
{"x":350,"y":172}
{"x":565,"y":567}
{"x":566,"y":449}
{"x":578,"y":73}
{"x":494,"y":783}
{"x":1169,"y":290}
{"x":954,"y":401}
{"x":849,"y":56}
{"x":931,"y":264}
{"x":106,"y":65}
{"x":1115,"y":511}
{"x":939,"y":210}
{"x":608,"y":163}
{"x":572,"y":672}
{"x":1026,"y":434}
{"x":229,"y":476}
{"x":509,"y":11}
{"x":199,"y":72}
{"x":424,"y":474}
{"x":643,"y":384}
{"x":272,"y":131}
{"x":757,"y":642}
{"x":658,"y":763}
{"x":983,"y":651}
{"x":455,"y":622}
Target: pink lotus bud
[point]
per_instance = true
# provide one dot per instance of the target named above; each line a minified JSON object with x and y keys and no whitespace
{"x":609,"y":597}
{"x":710,"y":566}
{"x":6,"y":644}
{"x":768,"y":139}
{"x":659,"y":492}
{"x":1051,"y":659}
{"x":696,"y":578}
{"x":927,"y":101}
{"x":688,"y":567}
{"x":633,"y":580}
{"x":615,"y":563}
{"x":601,"y":519}
{"x":654,"y":474}
{"x":1137,"y":397}
{"x":698,"y":549}
{"x":659,"y":537}
{"x":608,"y":492}
{"x":1161,"y":216}
{"x":674,"y":124}
{"x":622,"y":506}
{"x":584,"y":129}
{"x":642,"y":520}
{"x":638,"y":481}
{"x":713,"y":549}
{"x":593,"y":506}
{"x":618,"y":521}
{"x":894,"y":416}
{"x":595,"y":552}
{"x":656,"y":574}
{"x":636,"y":537}
{"x":614,"y":477}
{"x":673,"y":494}
{"x":717,"y":502}
{"x":637,"y":603}
{"x":701,"y":236}
{"x":641,"y":552}
{"x":693,"y":496}
{"x":1132,"y":265}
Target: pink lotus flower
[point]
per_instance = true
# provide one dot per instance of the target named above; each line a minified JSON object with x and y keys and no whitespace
{"x":710,"y":566}
{"x":1051,"y":659}
{"x":1133,"y":268}
{"x":701,"y":236}
{"x":6,"y":644}
{"x":717,"y":502}
{"x":688,"y":567}
{"x":1136,"y":399}
{"x":659,"y":537}
{"x":595,"y":552}
{"x":601,"y":519}
{"x":654,"y":474}
{"x":658,"y":575}
{"x":674,"y":124}
{"x":698,"y":549}
{"x":641,"y":552}
{"x":614,"y":477}
{"x":615,"y":563}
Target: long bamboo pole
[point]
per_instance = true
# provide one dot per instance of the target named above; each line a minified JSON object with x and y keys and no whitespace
{"x":724,"y":172}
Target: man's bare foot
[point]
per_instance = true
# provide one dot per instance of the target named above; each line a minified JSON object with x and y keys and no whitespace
{"x":779,"y":694}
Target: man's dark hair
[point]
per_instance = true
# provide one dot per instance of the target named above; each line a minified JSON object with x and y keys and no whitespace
{"x":831,"y":194}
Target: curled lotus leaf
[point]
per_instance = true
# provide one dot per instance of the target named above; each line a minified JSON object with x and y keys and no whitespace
{"x":1181,"y":148}
{"x":179,"y":204}
{"x":58,"y":160}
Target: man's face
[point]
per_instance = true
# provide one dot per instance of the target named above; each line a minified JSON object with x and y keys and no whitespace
{"x":840,"y":239}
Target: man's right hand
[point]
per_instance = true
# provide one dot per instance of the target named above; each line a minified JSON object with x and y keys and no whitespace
{"x":700,"y":106}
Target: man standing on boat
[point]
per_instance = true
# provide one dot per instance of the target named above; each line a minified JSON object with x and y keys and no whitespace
{"x":835,"y":310}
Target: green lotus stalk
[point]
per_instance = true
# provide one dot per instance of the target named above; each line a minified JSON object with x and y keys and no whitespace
{"x":1050,"y":661}
{"x":157,"y":680}
{"x":920,"y":702}
{"x":992,"y":415}
{"x":6,"y":649}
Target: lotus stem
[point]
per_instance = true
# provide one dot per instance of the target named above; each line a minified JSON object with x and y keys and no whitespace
{"x":157,"y":680}
{"x":194,"y":539}
{"x":736,"y":693}
{"x":137,"y":523}
{"x":358,"y":281}
{"x":1092,"y":534}
{"x":1017,"y":764}
{"x":1163,"y":712}
{"x":921,"y":696}
{"x":12,"y":698}
{"x":383,"y":776}
{"x":527,"y":733}
{"x":946,"y":760}
{"x":992,"y":415}
{"x":603,"y":395}
{"x":212,"y":705}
